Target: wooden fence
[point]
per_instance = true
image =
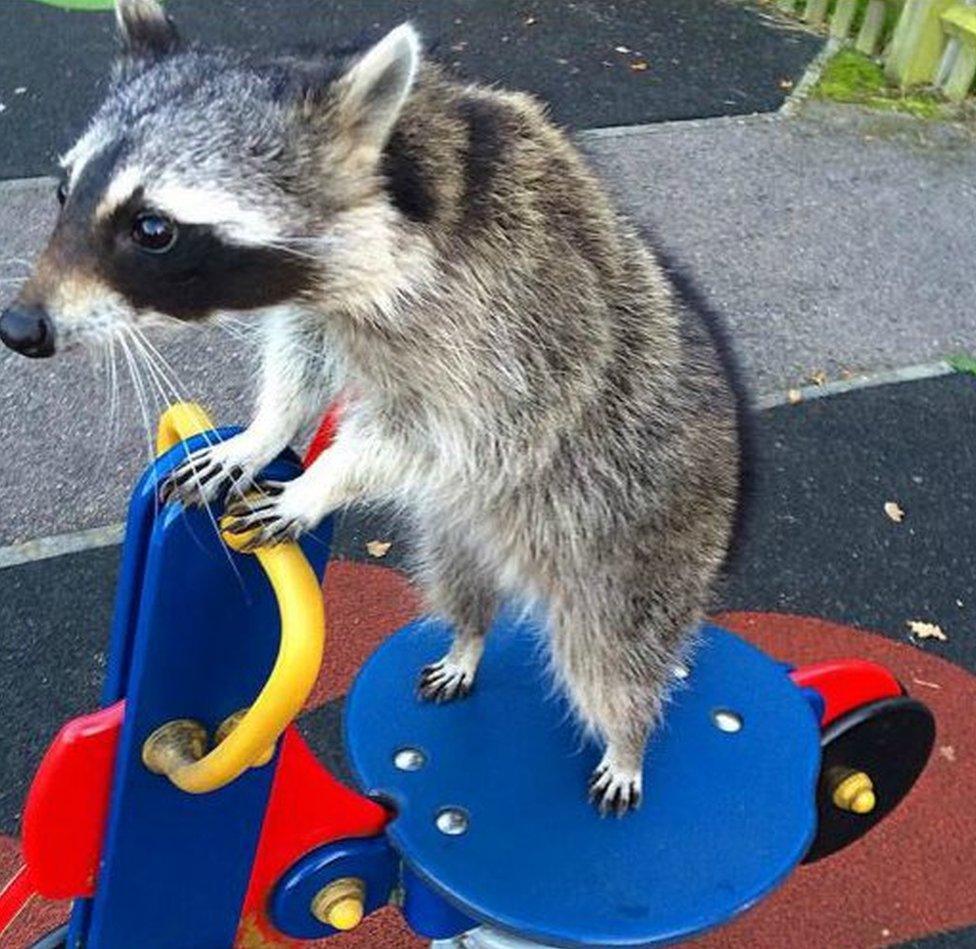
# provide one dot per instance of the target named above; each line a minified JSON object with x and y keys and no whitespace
{"x":921,"y":42}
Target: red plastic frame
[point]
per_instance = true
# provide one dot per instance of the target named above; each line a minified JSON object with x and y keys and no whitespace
{"x":307,"y":808}
{"x":846,"y":684}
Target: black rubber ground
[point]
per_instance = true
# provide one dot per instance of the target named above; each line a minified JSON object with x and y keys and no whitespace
{"x":705,"y":57}
{"x":958,"y":939}
{"x":818,"y":541}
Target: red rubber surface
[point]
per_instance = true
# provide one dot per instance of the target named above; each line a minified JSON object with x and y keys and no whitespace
{"x":914,"y":875}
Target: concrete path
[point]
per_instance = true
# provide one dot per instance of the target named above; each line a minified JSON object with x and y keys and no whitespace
{"x":836,"y":241}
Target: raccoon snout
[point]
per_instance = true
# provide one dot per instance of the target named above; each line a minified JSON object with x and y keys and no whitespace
{"x":27,"y":330}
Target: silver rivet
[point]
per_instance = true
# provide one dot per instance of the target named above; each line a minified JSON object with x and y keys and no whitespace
{"x":727,"y":721}
{"x":409,"y":759}
{"x":452,"y":821}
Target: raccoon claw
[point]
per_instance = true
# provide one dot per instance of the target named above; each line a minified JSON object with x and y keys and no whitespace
{"x":614,"y":790}
{"x":444,"y":681}
{"x":266,"y":517}
{"x":203,"y":476}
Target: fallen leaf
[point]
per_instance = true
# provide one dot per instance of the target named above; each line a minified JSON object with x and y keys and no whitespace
{"x":818,"y":378}
{"x":378,"y":548}
{"x":639,"y":65}
{"x":923,"y":630}
{"x":926,"y":684}
{"x":947,"y":752}
{"x":794,"y":396}
{"x":894,"y":511}
{"x":621,"y":49}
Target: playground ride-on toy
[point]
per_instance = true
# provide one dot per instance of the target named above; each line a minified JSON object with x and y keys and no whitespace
{"x":188,"y":813}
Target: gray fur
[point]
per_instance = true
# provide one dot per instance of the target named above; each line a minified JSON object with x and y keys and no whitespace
{"x":518,"y":372}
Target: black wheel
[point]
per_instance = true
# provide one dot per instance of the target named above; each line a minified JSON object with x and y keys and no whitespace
{"x":888,"y":741}
{"x":56,"y":939}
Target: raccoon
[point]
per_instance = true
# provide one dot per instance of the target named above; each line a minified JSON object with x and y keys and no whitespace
{"x":518,"y":372}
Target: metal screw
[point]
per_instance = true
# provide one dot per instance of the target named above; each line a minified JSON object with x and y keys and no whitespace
{"x":409,"y":759}
{"x":727,"y":721}
{"x":452,"y":821}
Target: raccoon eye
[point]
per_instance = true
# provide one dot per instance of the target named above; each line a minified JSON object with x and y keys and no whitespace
{"x":154,"y":233}
{"x":62,"y":192}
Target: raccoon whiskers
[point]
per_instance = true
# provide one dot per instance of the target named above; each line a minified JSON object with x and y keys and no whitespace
{"x":106,"y":370}
{"x":137,"y":388}
{"x":238,"y":330}
{"x":113,"y":385}
{"x":292,"y":250}
{"x":250,"y":334}
{"x":142,"y":350}
{"x":167,"y":380}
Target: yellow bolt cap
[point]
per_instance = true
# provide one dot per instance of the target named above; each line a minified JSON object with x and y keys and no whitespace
{"x":341,"y":904}
{"x":855,"y":793}
{"x":346,"y":914}
{"x":863,"y":802}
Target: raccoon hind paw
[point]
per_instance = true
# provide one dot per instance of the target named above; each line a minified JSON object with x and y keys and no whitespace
{"x":445,"y":681}
{"x":614,"y":790}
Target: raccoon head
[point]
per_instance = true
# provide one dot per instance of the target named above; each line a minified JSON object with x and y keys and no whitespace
{"x":208,"y":183}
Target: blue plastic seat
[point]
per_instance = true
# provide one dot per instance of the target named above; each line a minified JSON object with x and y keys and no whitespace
{"x":726,"y":814}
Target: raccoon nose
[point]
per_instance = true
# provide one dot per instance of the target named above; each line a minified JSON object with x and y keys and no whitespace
{"x":27,"y":330}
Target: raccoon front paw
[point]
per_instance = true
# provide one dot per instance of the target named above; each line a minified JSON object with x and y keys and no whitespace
{"x":615,"y":790}
{"x":208,"y":472}
{"x":445,"y":680}
{"x":271,"y":514}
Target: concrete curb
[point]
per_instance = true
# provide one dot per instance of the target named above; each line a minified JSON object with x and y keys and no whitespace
{"x":869,"y":381}
{"x":810,"y":78}
{"x":44,"y":548}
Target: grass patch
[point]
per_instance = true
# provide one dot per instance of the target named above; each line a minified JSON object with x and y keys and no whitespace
{"x":853,"y":77}
{"x":81,"y":4}
{"x":963,"y":363}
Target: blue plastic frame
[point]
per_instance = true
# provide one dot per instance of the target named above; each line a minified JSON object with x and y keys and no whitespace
{"x":194,"y":635}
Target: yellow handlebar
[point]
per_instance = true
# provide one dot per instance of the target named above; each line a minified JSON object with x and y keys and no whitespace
{"x":179,"y":423}
{"x":296,"y":668}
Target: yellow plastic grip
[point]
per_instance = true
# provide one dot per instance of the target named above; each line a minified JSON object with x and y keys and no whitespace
{"x":295,"y":670}
{"x":302,"y":614}
{"x":178,"y":423}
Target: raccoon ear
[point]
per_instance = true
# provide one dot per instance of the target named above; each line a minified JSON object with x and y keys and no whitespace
{"x":147,"y":33}
{"x":371,"y":94}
